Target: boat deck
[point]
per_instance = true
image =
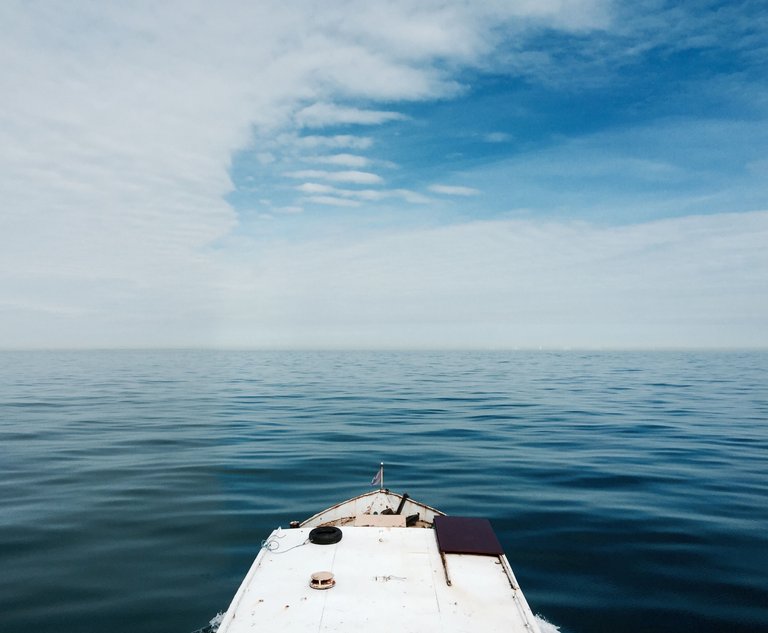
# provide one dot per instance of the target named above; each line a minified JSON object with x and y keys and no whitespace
{"x":388,"y":579}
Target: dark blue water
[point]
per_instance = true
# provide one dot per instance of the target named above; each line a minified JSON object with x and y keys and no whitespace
{"x":630,"y":490}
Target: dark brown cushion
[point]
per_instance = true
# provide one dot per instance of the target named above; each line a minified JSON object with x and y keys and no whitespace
{"x":465,"y":535}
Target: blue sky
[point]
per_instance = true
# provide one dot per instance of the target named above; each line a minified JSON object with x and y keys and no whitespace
{"x":421,"y":175}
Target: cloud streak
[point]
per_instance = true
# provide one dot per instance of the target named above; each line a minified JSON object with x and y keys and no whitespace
{"x":344,"y":196}
{"x":343,"y":160}
{"x":320,"y":115}
{"x":673,"y":283}
{"x":350,"y":176}
{"x":453,"y":190}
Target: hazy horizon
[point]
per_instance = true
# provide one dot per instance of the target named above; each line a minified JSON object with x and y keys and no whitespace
{"x":396,"y":350}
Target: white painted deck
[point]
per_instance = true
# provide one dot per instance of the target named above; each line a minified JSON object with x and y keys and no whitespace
{"x":388,"y":579}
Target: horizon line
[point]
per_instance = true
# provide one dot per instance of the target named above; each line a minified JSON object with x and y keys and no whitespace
{"x":330,"y":349}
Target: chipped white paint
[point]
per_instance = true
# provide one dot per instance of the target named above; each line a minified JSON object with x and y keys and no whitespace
{"x":387,"y":579}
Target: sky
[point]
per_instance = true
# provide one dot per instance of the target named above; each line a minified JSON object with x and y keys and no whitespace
{"x":402,"y":175}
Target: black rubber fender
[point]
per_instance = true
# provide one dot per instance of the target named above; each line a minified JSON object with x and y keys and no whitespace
{"x":325,"y":535}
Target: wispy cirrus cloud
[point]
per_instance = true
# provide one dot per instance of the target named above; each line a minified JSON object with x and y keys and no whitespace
{"x":497,"y":137}
{"x":315,"y":187}
{"x":350,"y":176}
{"x":320,"y":115}
{"x":370,"y":195}
{"x":342,"y":160}
{"x":333,"y":201}
{"x":453,"y":190}
{"x":333,"y":141}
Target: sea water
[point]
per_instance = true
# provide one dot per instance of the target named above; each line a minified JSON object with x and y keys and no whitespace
{"x":629,"y":489}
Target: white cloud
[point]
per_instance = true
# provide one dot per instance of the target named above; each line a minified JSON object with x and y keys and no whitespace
{"x":291,"y":209}
{"x":315,"y":187}
{"x":333,"y":141}
{"x":351,"y":176}
{"x":343,"y":160}
{"x":334,"y":201}
{"x":497,"y":137}
{"x":326,"y":114}
{"x":414,"y":197}
{"x":452,"y":190}
{"x":369,"y":195}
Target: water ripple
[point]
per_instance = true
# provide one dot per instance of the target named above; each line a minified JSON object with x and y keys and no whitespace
{"x":627,"y":488}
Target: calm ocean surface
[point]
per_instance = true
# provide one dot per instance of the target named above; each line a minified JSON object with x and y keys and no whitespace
{"x":630,"y":490}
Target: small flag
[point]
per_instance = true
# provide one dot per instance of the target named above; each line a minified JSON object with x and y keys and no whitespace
{"x":376,"y":481}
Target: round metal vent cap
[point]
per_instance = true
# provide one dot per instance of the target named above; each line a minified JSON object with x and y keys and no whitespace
{"x":322,"y":580}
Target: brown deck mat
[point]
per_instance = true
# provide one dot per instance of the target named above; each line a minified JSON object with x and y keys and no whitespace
{"x":465,"y":535}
